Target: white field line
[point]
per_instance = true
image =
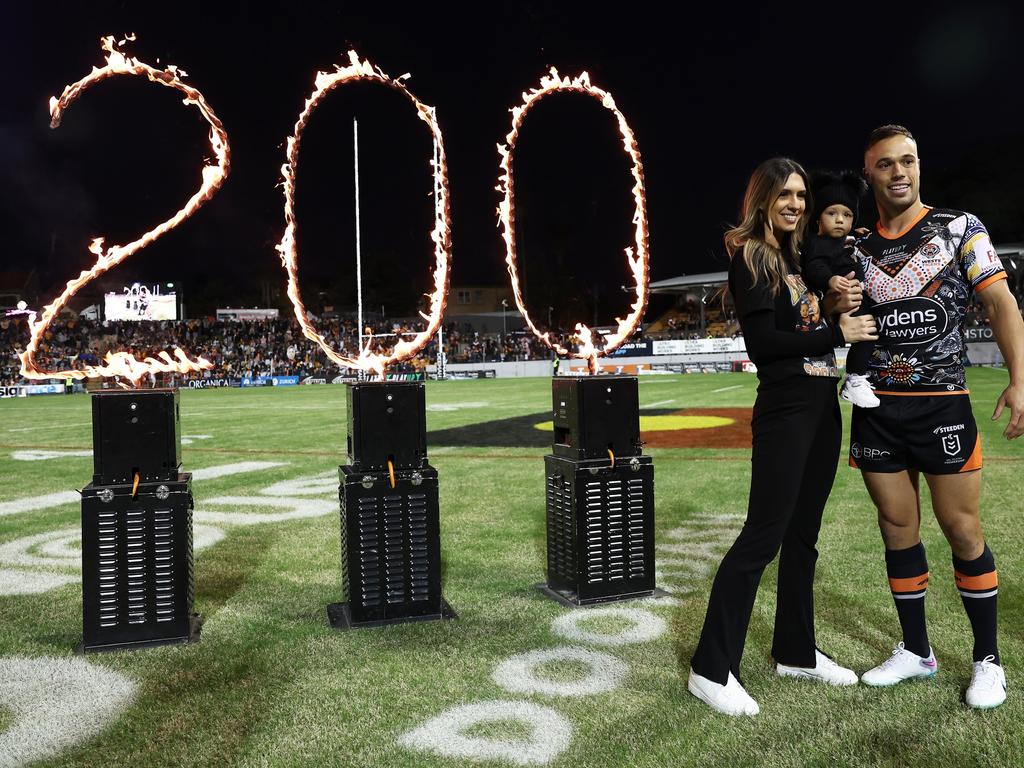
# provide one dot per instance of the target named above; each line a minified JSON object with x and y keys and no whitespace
{"x":726,"y":389}
{"x":50,"y":500}
{"x":658,"y":404}
{"x":45,"y":427}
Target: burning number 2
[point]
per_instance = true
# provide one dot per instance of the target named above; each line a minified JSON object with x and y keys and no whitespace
{"x":123,"y":363}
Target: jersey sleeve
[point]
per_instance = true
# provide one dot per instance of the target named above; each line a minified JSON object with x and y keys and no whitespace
{"x":978,"y":259}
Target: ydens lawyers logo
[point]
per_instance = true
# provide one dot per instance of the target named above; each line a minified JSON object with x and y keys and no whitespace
{"x":910,"y":321}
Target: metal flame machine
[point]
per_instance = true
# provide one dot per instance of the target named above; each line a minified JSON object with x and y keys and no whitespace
{"x":137,"y":568}
{"x":599,"y":494}
{"x":390,"y":521}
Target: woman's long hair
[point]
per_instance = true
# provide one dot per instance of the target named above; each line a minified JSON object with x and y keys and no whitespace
{"x":762,"y":258}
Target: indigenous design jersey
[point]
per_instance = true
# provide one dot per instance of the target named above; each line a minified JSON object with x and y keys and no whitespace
{"x":921,"y":281}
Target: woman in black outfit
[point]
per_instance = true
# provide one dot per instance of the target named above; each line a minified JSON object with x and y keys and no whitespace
{"x":796,"y":435}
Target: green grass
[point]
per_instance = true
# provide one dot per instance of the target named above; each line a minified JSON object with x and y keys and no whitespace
{"x":271,"y":685}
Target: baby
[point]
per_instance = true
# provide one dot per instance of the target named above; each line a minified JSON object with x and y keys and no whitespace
{"x":828,"y":258}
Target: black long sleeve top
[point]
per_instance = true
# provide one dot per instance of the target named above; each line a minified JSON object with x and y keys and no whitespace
{"x":786,"y":334}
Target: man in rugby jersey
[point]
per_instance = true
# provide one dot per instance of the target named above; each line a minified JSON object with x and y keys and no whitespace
{"x":921,"y":266}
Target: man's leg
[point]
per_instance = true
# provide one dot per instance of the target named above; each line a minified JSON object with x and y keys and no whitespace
{"x":898,"y":502}
{"x":955,"y":499}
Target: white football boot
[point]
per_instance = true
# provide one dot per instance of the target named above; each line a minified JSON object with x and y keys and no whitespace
{"x":729,"y":699}
{"x":988,"y":685}
{"x":902,"y":665}
{"x":825,"y":670}
{"x":859,"y":391}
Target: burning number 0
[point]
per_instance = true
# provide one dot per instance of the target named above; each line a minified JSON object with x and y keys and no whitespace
{"x":638,"y":259}
{"x":441,"y":234}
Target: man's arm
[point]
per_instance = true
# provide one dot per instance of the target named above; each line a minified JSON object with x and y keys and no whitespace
{"x":1008,"y":327}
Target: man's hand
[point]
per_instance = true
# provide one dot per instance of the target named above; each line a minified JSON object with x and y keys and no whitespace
{"x":1012,"y":398}
{"x":1008,"y":328}
{"x":845,"y":301}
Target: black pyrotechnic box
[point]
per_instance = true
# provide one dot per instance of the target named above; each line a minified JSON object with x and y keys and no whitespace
{"x":599,"y":494}
{"x":137,"y":569}
{"x":390,"y":521}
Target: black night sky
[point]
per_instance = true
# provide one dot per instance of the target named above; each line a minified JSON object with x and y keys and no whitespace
{"x":709,"y":94}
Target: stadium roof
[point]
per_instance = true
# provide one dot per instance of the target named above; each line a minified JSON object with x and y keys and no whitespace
{"x":684,"y":283}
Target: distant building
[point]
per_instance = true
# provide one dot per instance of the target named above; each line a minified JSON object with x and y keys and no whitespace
{"x":478,"y":299}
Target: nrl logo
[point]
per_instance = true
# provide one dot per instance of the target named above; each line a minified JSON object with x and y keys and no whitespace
{"x":951,"y":444}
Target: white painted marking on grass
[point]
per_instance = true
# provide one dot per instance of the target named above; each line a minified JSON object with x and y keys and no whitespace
{"x":313,"y":485}
{"x":726,"y":389}
{"x":204,"y":536}
{"x":446,"y":407}
{"x":63,"y":548}
{"x":444,"y":735}
{"x":660,"y":602}
{"x":48,"y":427}
{"x":521,"y":673}
{"x":660,"y":403}
{"x":643,"y":628}
{"x":189,"y":439}
{"x":57,"y":703}
{"x":17,"y":582}
{"x":297,"y":509}
{"x":25,"y":551}
{"x":50,"y":500}
{"x":238,"y":468}
{"x":46,"y":455}
{"x":700,"y":550}
{"x":33,"y":503}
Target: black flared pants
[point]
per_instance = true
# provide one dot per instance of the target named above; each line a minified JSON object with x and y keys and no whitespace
{"x":797,"y":431}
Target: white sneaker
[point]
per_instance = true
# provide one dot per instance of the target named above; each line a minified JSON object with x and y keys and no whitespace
{"x":902,"y":665}
{"x":730,"y":699}
{"x":859,"y":391}
{"x":988,"y":685}
{"x":825,"y":670}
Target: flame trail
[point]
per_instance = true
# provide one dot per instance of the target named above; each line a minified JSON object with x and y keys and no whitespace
{"x":368,"y":360}
{"x":638,"y":259}
{"x":123,"y":363}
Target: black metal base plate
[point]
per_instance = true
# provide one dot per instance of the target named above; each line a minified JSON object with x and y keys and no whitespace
{"x":569,"y":598}
{"x":339,"y":617}
{"x":195,"y":628}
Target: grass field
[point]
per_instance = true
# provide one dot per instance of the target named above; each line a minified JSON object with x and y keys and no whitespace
{"x":270,"y":684}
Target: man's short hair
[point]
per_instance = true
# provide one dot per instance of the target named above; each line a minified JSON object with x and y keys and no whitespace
{"x":883,"y":132}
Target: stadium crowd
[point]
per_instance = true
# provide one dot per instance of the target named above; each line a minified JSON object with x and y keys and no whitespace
{"x":247,"y":348}
{"x":278,"y":348}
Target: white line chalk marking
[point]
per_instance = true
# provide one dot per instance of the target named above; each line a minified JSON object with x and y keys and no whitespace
{"x":521,"y":673}
{"x":550,"y":733}
{"x":644,"y":626}
{"x":57,"y":703}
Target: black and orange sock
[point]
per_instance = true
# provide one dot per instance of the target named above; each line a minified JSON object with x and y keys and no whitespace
{"x":979,"y":586}
{"x":908,"y":580}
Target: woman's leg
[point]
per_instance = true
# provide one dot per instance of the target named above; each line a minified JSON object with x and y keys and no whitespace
{"x":794,"y":643}
{"x":782,"y":435}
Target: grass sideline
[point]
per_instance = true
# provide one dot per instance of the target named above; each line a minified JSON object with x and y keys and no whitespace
{"x":271,"y":685}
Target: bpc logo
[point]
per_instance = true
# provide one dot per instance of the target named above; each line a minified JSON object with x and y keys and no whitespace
{"x":876,"y":454}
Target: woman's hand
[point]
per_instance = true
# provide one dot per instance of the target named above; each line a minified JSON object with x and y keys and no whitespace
{"x":859,"y":328}
{"x":845,"y":301}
